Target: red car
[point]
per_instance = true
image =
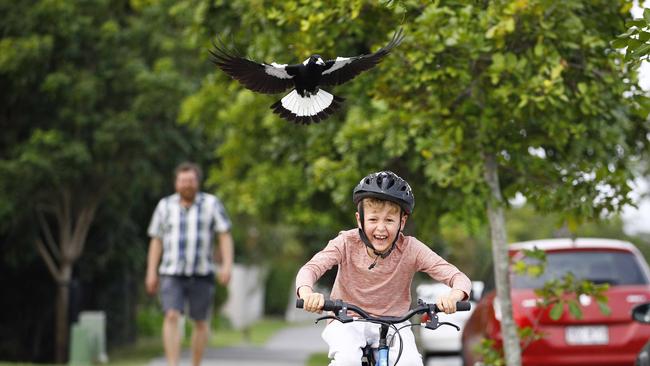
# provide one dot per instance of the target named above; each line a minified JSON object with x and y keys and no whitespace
{"x":596,"y":339}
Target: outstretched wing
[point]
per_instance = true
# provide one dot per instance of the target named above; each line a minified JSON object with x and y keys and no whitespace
{"x":346,"y":68}
{"x":260,"y":77}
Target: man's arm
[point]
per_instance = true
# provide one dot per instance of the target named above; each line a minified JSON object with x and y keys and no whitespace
{"x":153,"y":259}
{"x":226,"y":252}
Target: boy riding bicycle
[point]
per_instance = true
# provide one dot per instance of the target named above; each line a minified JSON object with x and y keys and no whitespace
{"x":376,"y":264}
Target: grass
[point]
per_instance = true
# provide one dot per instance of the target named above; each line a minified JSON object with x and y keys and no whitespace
{"x":138,"y":354}
{"x":257,"y":335}
{"x":318,"y":359}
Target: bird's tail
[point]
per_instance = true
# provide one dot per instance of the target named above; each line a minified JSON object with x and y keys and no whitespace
{"x":305,"y":110}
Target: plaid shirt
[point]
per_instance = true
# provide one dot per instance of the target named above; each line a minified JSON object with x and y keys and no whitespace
{"x":187,"y":234}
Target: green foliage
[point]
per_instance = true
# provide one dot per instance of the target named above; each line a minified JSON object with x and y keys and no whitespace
{"x":559,"y":294}
{"x":93,"y":102}
{"x":532,"y":264}
{"x":95,"y":91}
{"x":257,"y":334}
{"x":528,"y":335}
{"x":556,"y":295}
{"x":636,"y":40}
{"x":459,"y":237}
{"x":220,"y":296}
{"x":149,"y":321}
{"x":533,"y":82}
{"x":489,"y":353}
{"x":318,"y":359}
{"x":279,"y":285}
{"x":525,"y":223}
{"x":138,"y":354}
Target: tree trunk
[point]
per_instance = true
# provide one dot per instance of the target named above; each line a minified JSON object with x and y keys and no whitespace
{"x":60,"y":257}
{"x":501,"y":260}
{"x":61,"y":321}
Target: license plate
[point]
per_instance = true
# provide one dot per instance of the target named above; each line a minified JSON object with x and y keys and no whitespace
{"x":587,"y":335}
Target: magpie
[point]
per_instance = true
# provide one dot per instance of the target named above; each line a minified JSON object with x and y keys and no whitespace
{"x":306,"y":103}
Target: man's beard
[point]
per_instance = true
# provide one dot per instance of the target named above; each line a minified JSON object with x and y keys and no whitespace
{"x":188,"y":194}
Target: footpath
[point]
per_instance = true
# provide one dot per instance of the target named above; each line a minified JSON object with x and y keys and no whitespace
{"x":291,"y":346}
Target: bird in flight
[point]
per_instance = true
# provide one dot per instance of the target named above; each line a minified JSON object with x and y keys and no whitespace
{"x":307,"y":102}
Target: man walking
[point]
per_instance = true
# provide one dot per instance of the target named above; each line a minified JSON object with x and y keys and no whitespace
{"x":182,"y":231}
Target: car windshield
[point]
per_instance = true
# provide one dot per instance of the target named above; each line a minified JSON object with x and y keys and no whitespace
{"x":615,"y":268}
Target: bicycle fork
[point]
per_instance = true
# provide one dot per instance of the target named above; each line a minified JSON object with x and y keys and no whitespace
{"x":382,"y":358}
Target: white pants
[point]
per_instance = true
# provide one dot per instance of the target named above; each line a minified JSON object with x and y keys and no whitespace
{"x":347,"y":340}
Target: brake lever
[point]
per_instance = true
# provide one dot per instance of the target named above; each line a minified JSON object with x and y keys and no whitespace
{"x":433,"y":325}
{"x":326,"y":317}
{"x":450,"y":324}
{"x":433,"y":318}
{"x":342,"y":316}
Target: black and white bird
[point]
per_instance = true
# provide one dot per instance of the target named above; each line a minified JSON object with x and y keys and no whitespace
{"x":307,"y":102}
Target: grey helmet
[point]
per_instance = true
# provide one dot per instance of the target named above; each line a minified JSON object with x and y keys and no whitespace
{"x":388,"y":186}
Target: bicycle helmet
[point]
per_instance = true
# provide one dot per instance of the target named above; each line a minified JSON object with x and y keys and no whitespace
{"x":385,"y":185}
{"x":388,"y":186}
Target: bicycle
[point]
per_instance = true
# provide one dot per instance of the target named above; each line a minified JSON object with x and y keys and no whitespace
{"x":341,"y":309}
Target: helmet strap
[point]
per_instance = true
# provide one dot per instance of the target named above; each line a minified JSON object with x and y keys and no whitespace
{"x":366,"y":240}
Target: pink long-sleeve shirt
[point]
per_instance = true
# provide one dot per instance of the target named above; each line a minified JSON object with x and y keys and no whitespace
{"x":384,"y":290}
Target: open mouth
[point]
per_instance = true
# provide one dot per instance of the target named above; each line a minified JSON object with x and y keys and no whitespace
{"x":380,"y":238}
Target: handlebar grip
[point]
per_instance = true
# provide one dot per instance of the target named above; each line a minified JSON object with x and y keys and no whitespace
{"x":328,"y":306}
{"x":463,"y":306}
{"x":460,"y":306}
{"x":331,"y":306}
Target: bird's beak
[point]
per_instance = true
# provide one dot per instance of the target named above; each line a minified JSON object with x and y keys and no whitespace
{"x":320,"y":62}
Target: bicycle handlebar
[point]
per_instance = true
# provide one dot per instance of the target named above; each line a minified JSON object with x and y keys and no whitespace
{"x":341,"y":307}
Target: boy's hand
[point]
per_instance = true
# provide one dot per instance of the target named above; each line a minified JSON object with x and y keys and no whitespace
{"x":447,"y":303}
{"x":314,"y":301}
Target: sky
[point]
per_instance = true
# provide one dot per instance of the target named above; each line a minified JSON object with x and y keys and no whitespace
{"x":638,"y":219}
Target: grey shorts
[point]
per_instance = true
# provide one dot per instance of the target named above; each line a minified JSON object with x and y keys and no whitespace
{"x":197,"y":292}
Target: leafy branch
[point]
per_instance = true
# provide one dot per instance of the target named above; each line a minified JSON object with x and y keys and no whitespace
{"x":565,"y":292}
{"x":636,"y":40}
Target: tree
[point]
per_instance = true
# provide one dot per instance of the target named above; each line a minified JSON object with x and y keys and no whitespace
{"x":95,"y":87}
{"x":483,"y":100}
{"x":636,"y":40}
{"x":528,"y":111}
{"x":635,"y":43}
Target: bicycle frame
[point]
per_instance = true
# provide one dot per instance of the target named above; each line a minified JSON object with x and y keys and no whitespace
{"x":382,"y":351}
{"x":341,"y":309}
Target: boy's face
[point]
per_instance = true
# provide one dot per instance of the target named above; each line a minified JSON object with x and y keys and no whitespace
{"x":381,"y":225}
